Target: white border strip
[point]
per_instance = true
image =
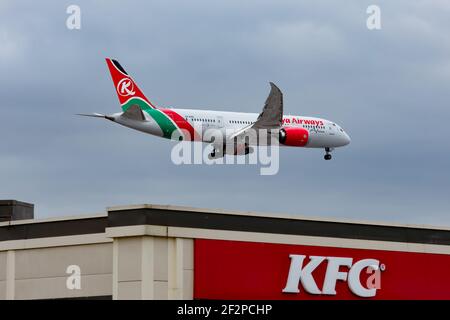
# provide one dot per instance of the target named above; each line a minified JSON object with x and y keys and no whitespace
{"x":82,"y":239}
{"x":307,"y":240}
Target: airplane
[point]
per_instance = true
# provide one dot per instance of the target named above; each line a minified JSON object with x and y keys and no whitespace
{"x":191,"y":124}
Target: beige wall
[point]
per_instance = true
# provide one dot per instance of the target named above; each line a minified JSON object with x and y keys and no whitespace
{"x":2,"y":266}
{"x":2,"y":290}
{"x":148,"y":267}
{"x":46,"y":268}
{"x":125,"y":267}
{"x":93,"y":259}
{"x":36,"y":269}
{"x":136,"y":269}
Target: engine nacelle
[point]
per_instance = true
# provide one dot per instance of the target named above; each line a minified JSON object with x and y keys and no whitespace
{"x":295,"y":137}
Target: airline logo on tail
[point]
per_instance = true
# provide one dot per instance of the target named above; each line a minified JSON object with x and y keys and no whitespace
{"x":125,"y":87}
{"x":127,"y":90}
{"x":130,"y":95}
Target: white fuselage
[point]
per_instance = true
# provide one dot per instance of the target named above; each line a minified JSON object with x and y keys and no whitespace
{"x":322,"y":133}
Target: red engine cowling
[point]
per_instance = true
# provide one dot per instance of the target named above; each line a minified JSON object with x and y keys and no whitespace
{"x":295,"y":137}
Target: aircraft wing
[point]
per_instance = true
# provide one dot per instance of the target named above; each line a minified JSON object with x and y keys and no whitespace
{"x":272,"y":113}
{"x":270,"y":120}
{"x":270,"y":117}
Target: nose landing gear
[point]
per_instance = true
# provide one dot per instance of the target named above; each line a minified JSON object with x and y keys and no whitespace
{"x":327,"y":155}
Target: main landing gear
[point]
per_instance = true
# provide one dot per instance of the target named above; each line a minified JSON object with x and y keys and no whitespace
{"x":213,"y":154}
{"x":216,"y":153}
{"x":327,"y":155}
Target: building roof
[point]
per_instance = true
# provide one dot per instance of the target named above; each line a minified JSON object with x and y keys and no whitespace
{"x":187,"y":217}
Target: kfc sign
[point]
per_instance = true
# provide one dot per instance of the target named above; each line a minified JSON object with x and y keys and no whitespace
{"x":236,"y":270}
{"x":300,"y":273}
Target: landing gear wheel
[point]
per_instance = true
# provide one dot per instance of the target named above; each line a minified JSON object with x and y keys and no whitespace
{"x":212,"y":155}
{"x":327,"y":153}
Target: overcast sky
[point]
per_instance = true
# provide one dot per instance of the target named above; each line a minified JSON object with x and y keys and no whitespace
{"x":389,"y":89}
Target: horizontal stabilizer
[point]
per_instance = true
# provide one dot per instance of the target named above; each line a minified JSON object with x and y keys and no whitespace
{"x":95,"y":115}
{"x":134,"y":113}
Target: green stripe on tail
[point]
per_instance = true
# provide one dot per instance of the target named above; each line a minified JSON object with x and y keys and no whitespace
{"x":161,"y":119}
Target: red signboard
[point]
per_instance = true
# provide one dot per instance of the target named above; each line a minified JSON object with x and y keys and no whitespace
{"x":251,"y":270}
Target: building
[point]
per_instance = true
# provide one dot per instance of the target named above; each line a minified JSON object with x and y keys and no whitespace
{"x":169,"y":252}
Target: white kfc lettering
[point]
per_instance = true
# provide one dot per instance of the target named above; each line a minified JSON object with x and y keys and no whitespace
{"x":303,"y":274}
{"x":333,"y":274}
{"x":354,"y":281}
{"x":297,"y":274}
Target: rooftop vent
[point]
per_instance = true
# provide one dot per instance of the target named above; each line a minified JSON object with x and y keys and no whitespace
{"x":15,"y":210}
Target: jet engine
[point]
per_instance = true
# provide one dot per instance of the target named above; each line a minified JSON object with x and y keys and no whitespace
{"x":295,"y":137}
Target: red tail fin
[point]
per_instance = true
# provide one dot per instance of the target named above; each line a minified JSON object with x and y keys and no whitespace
{"x":126,"y":88}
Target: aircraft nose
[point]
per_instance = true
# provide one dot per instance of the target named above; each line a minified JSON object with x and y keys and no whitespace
{"x":347,"y":138}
